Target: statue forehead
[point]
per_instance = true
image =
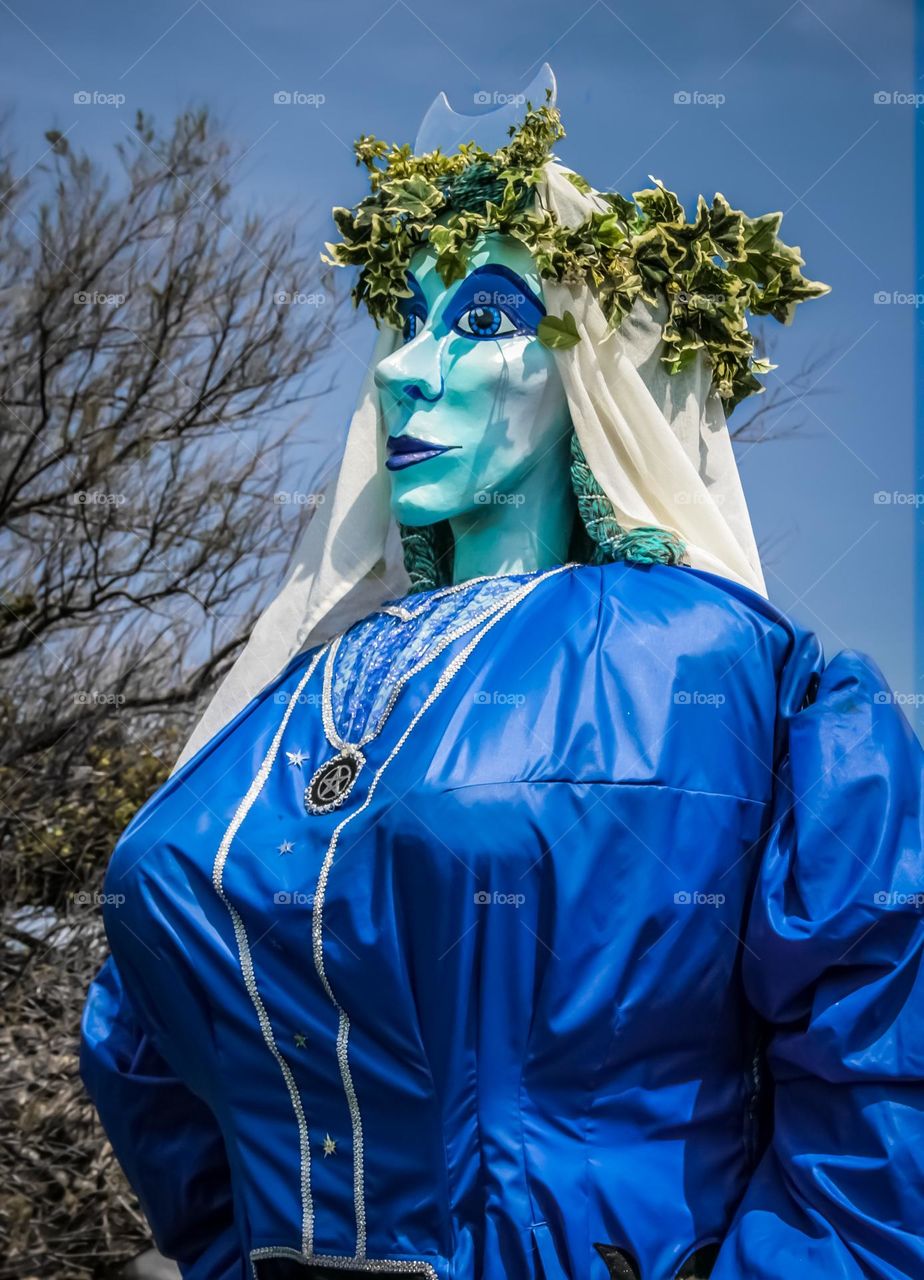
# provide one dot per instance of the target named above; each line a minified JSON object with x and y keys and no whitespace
{"x":503,"y":250}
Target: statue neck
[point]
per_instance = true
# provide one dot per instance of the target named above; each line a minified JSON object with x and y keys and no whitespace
{"x":525,"y":530}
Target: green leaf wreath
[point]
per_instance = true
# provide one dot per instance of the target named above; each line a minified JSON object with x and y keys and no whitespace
{"x":712,"y":270}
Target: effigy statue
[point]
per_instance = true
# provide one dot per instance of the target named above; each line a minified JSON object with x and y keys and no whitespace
{"x":534,"y":901}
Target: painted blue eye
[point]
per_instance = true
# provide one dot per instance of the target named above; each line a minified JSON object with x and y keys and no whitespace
{"x":411,"y":326}
{"x":485,"y":322}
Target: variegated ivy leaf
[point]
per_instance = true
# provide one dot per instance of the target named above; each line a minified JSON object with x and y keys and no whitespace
{"x":558,"y":333}
{"x":414,"y":196}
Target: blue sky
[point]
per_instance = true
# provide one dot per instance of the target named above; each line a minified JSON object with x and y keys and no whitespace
{"x":800,"y":129}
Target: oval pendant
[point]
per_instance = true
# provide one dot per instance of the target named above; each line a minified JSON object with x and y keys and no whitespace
{"x":332,"y":783}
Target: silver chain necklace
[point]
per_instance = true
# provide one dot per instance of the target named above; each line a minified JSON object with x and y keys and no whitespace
{"x":330,"y":785}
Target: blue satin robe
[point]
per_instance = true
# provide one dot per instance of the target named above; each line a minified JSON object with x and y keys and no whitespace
{"x":627,"y":942}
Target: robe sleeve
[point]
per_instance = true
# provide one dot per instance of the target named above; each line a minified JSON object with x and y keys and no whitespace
{"x":165,"y":1137}
{"x":832,"y":964}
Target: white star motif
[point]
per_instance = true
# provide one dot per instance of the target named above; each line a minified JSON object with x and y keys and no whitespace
{"x":296,"y":758}
{"x":286,"y":847}
{"x":330,"y":1145}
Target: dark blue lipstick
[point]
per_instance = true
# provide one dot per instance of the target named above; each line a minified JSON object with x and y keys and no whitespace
{"x":405,"y":451}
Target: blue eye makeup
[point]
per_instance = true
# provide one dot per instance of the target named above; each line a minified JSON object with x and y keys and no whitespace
{"x":491,"y":302}
{"x":494,"y":302}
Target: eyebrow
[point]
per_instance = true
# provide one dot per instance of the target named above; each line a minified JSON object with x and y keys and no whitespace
{"x":418,"y":295}
{"x":506,"y":273}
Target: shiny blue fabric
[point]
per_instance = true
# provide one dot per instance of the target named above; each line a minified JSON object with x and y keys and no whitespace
{"x":628,"y":937}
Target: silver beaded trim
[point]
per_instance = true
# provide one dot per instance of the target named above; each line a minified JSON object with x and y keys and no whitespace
{"x":246,"y":960}
{"x":327,"y":704}
{"x":381,"y":1266}
{"x":317,"y":921}
{"x":408,"y":615}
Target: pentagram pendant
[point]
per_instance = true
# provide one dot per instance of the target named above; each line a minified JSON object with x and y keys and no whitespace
{"x":330,"y":785}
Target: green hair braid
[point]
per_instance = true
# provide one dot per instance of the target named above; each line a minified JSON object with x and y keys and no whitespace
{"x":427,"y":555}
{"x":645,"y":545}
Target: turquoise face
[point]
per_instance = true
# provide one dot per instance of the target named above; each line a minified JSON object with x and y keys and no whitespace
{"x":476,"y":418}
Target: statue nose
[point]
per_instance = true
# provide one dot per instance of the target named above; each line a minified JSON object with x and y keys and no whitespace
{"x":414,"y":391}
{"x":414,"y":371}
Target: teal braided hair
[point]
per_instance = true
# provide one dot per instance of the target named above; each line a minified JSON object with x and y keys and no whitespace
{"x":598,"y":537}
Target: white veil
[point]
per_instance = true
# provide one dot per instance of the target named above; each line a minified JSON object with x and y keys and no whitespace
{"x":657,"y":443}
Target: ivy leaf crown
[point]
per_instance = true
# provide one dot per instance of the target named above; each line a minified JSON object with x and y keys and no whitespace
{"x":712,"y":271}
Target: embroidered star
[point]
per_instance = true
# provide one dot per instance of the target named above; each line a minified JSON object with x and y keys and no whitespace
{"x":286,"y":847}
{"x":300,"y":1040}
{"x":330,"y":1146}
{"x":296,"y":758}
